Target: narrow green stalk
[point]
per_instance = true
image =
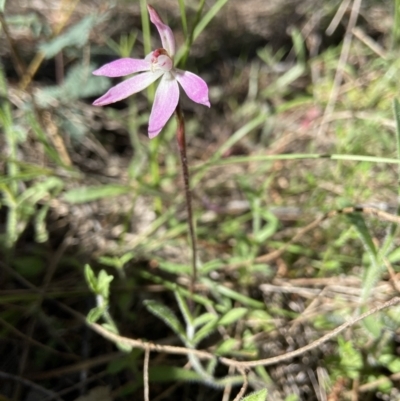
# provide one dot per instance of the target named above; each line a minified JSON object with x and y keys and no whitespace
{"x":146,"y":40}
{"x":392,"y":234}
{"x":182,"y":57}
{"x":396,"y":25}
{"x":180,"y":136}
{"x":11,"y":192}
{"x":198,"y":27}
{"x":154,"y":144}
{"x":155,"y":171}
{"x":183,"y":17}
{"x":396,"y":109}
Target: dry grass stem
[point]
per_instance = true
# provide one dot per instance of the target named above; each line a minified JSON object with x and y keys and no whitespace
{"x":245,"y":384}
{"x":341,"y":65}
{"x":146,"y":374}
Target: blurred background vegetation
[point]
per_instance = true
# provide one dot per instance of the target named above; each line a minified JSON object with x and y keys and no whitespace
{"x":301,"y":124}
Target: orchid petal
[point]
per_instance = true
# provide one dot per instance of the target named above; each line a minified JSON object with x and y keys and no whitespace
{"x":194,"y":86}
{"x":122,"y":67}
{"x":127,"y":88}
{"x":166,"y":35}
{"x":165,"y":102}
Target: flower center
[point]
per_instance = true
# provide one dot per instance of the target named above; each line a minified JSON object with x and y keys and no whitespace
{"x":160,"y":60}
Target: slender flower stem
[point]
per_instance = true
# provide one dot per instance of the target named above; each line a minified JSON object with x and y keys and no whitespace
{"x":180,"y":136}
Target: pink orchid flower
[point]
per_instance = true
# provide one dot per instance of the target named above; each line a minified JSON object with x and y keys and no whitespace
{"x":159,"y":63}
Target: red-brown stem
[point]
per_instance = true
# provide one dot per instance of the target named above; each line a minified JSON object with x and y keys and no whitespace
{"x":180,"y":137}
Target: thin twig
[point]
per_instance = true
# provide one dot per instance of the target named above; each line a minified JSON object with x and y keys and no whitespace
{"x":244,"y":386}
{"x":368,"y":41}
{"x":228,"y":388}
{"x":146,"y":374}
{"x":180,"y":136}
{"x":115,"y":338}
{"x":204,"y":354}
{"x":231,"y":362}
{"x":315,"y":344}
{"x":392,"y":274}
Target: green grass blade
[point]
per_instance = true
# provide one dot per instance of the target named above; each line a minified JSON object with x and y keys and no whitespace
{"x":374,"y":271}
{"x":208,"y":17}
{"x":299,"y":156}
{"x":199,"y":28}
{"x":388,"y":243}
{"x":240,"y":134}
{"x":250,"y":302}
{"x":89,"y":194}
{"x":182,"y":9}
{"x":396,"y":109}
{"x":146,"y":40}
{"x":396,"y":25}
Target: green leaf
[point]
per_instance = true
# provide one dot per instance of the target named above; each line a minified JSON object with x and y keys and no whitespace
{"x":203,"y":319}
{"x":124,"y":347}
{"x":270,"y":228}
{"x":359,"y":224}
{"x":81,"y":83}
{"x":167,"y":316}
{"x":228,"y":292}
{"x":374,"y":271}
{"x":292,"y":397}
{"x":226,"y":346}
{"x":260,"y":395}
{"x":211,"y":266}
{"x":206,"y":330}
{"x":174,"y":268}
{"x":99,"y":285}
{"x":232,"y":316}
{"x":39,"y":190}
{"x":103,"y":284}
{"x":184,"y":309}
{"x":90,"y":278}
{"x":163,"y":374}
{"x":298,"y":45}
{"x":78,"y":35}
{"x":350,"y":358}
{"x":394,"y":256}
{"x":41,"y":233}
{"x":89,"y":194}
{"x":394,"y":366}
{"x":2,"y":5}
{"x":96,"y":313}
{"x":374,"y":325}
